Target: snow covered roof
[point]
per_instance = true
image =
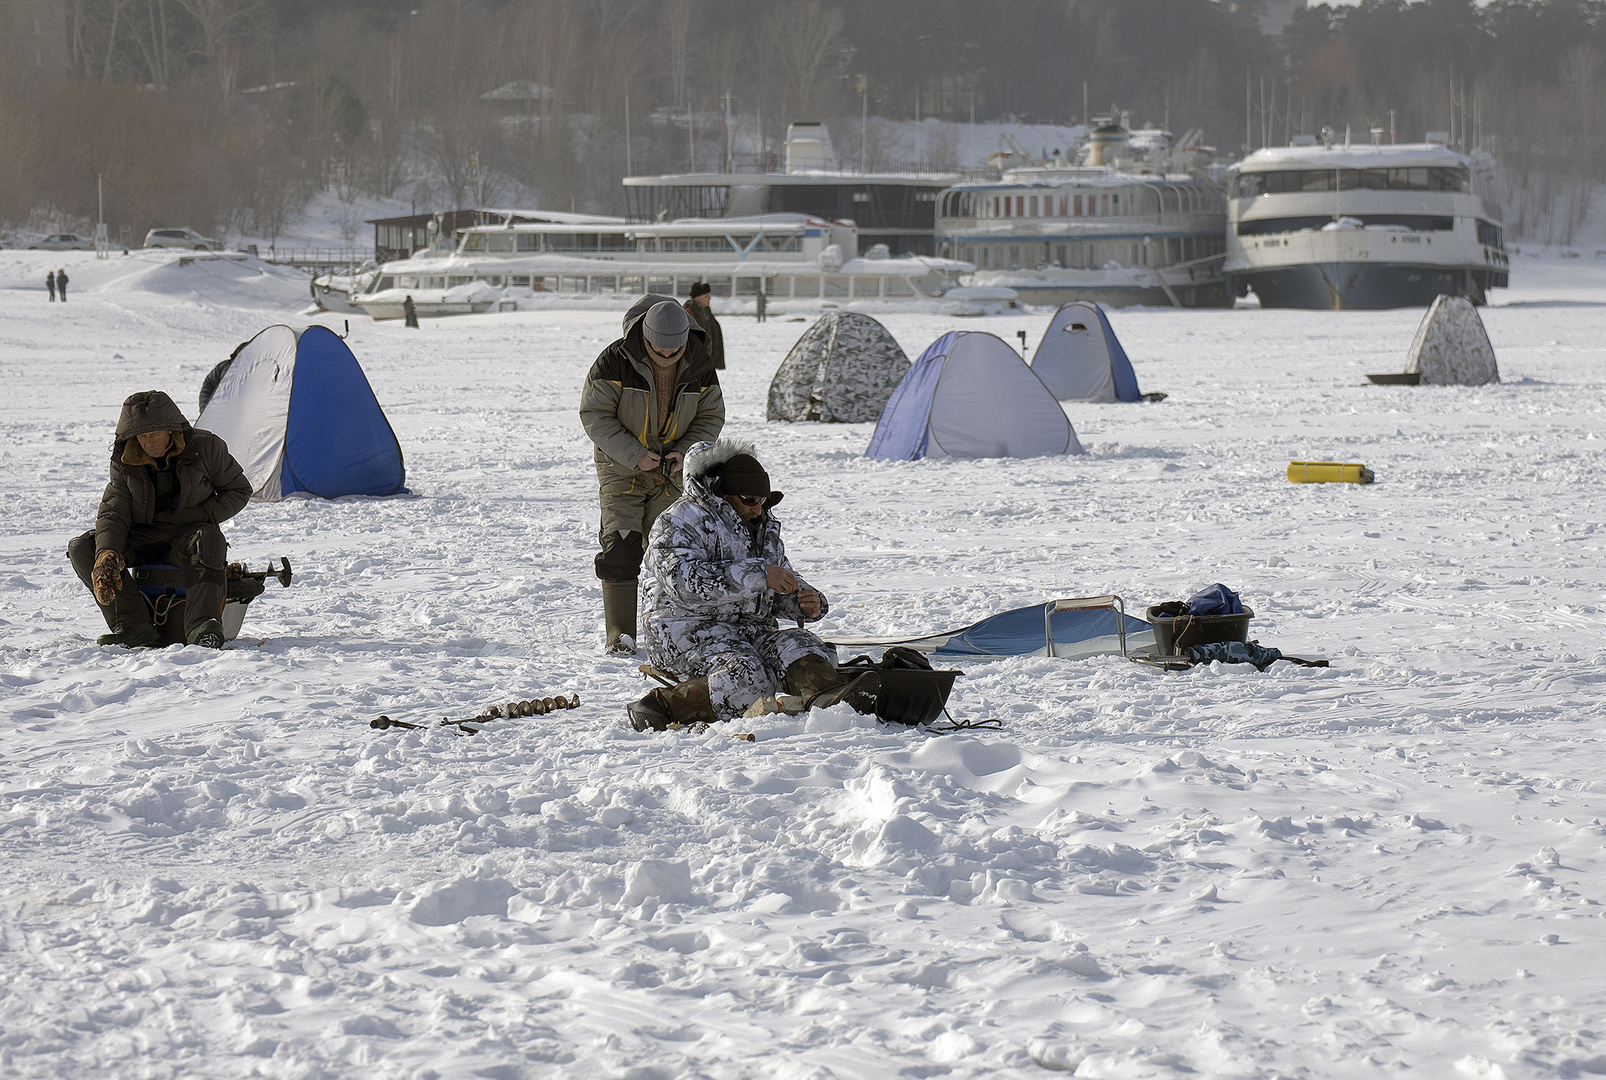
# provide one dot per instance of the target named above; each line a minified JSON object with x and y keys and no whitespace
{"x":1361,"y":156}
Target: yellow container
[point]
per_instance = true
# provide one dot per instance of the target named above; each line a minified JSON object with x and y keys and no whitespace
{"x":1328,"y":472}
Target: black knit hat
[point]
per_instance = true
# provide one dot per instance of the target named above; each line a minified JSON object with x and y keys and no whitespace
{"x":742,"y":475}
{"x":699,"y":288}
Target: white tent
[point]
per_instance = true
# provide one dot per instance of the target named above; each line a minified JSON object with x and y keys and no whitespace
{"x":1079,"y":358}
{"x":971,"y":396}
{"x":1451,"y":347}
{"x":842,"y":370}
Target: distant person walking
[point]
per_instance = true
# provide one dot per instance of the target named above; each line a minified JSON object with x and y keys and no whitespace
{"x":410,"y":312}
{"x":61,"y":284}
{"x":762,"y":303}
{"x":50,"y":283}
{"x":703,"y":315}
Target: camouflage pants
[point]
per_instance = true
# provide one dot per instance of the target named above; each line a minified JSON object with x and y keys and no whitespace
{"x":741,"y":662}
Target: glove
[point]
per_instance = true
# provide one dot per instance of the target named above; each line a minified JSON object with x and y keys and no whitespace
{"x":107,"y":577}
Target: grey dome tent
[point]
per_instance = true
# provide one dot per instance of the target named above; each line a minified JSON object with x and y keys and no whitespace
{"x":1451,"y":347}
{"x":971,"y":396}
{"x":842,"y":370}
{"x":1079,"y":358}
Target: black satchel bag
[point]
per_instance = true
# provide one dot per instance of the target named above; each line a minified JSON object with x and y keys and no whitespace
{"x":900,"y":688}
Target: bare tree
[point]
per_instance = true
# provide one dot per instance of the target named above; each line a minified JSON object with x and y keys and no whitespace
{"x":799,"y":41}
{"x":223,"y":24}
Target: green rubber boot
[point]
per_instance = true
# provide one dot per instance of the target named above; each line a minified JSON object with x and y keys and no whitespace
{"x":619,"y":613}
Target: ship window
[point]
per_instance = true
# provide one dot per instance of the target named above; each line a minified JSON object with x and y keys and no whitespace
{"x":529,"y":242}
{"x":805,"y":287}
{"x":630,"y":283}
{"x":474,"y":241}
{"x":1020,"y":206}
{"x":897,"y":286}
{"x":458,"y":279}
{"x":521,"y":280}
{"x":866,"y":288}
{"x":1076,"y":206}
{"x":499,"y":242}
{"x":663,"y":286}
{"x":746,"y":286}
{"x":1033,"y":211}
{"x":1014,"y":257}
{"x":1059,"y":254}
{"x":836,"y":287}
{"x":1009,"y":206}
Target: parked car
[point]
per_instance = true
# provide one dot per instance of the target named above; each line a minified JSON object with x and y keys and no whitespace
{"x":181,"y":238}
{"x":63,"y":242}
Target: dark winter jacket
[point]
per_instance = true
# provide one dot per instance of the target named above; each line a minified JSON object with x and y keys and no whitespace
{"x":196,"y":482}
{"x":704,"y":317}
{"x":619,"y":405}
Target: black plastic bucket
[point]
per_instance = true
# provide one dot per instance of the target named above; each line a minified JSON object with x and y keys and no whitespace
{"x":1175,"y":633}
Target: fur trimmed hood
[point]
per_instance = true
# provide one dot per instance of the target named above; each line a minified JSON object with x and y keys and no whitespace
{"x":706,"y":456}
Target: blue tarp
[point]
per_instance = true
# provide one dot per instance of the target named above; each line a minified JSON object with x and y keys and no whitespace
{"x":1022,"y":632}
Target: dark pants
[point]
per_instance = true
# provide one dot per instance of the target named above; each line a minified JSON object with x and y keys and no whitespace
{"x":61,"y":287}
{"x":52,"y":288}
{"x":412,"y":319}
{"x":199,"y":550}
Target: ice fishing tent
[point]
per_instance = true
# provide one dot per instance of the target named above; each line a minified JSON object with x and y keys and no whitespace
{"x":971,"y":396}
{"x":1451,"y":348}
{"x":1079,"y":358}
{"x":298,"y":415}
{"x":842,"y":370}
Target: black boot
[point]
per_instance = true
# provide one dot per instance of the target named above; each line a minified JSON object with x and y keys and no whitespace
{"x":140,"y":635}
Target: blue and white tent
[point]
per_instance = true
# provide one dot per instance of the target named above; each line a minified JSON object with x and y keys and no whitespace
{"x":1079,"y":358}
{"x":971,"y":396}
{"x":298,"y":415}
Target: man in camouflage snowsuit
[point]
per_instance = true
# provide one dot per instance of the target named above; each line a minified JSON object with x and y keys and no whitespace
{"x":717,"y":584}
{"x":647,"y":399}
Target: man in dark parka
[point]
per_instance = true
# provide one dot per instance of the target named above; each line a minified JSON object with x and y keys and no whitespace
{"x":648,"y":398}
{"x":171,"y":486}
{"x":698,"y":306}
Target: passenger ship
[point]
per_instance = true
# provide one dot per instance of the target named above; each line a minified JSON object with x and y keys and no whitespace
{"x":1133,"y":222}
{"x":1319,"y":225}
{"x":784,"y":256}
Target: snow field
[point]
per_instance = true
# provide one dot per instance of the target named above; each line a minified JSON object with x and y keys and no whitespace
{"x":216,"y":868}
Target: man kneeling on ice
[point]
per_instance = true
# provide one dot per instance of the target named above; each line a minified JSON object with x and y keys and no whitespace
{"x":171,"y":486}
{"x":715,"y":586}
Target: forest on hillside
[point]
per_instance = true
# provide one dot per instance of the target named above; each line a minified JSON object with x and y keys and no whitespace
{"x":229,"y":115}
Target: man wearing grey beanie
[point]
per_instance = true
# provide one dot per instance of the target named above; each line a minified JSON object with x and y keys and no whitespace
{"x":648,"y":397}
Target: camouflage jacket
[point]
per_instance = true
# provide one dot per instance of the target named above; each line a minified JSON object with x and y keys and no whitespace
{"x":704,"y":565}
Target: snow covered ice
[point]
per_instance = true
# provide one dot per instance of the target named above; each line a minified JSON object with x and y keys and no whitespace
{"x":213,"y":867}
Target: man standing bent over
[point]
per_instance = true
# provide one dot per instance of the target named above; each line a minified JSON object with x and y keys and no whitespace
{"x":171,"y":487}
{"x":647,"y":398}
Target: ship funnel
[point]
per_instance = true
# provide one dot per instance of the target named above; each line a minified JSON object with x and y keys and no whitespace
{"x":808,"y":148}
{"x":1107,"y":143}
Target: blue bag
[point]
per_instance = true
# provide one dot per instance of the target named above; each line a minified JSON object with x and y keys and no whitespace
{"x":1216,"y":600}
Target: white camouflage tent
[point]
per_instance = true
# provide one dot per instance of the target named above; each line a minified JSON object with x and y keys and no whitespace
{"x":1451,"y":347}
{"x":842,"y":370}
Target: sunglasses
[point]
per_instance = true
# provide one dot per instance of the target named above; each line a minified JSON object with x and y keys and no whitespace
{"x":746,"y":500}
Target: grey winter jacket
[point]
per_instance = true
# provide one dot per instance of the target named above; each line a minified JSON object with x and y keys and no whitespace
{"x":705,"y":566}
{"x":211,"y":487}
